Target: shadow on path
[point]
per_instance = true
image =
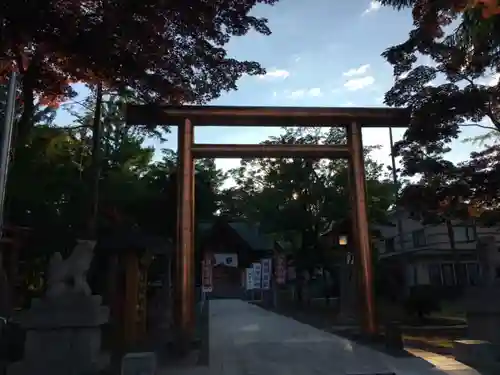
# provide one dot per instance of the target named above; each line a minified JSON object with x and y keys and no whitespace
{"x":248,"y":340}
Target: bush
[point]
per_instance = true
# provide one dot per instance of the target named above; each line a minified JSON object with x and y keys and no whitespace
{"x":422,"y":301}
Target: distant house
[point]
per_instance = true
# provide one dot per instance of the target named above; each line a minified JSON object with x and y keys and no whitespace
{"x":426,"y":250}
{"x":234,"y":246}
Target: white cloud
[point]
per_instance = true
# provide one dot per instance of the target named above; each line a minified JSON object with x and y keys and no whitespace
{"x":428,"y":61}
{"x":491,"y":80}
{"x":315,"y":91}
{"x":359,"y":83}
{"x":275,"y":74}
{"x":301,"y":93}
{"x":373,"y":7}
{"x":357,"y":71}
{"x":296,"y":94}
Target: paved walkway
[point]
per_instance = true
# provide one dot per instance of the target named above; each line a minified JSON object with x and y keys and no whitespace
{"x":248,"y":340}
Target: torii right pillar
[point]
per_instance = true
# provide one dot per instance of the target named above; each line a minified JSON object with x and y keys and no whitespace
{"x":360,"y":228}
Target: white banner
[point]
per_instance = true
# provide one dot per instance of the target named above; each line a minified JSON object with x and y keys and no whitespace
{"x":249,"y":278}
{"x":266,"y":273}
{"x":228,"y":260}
{"x":257,"y":274}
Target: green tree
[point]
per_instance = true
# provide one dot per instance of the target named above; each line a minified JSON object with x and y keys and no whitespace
{"x":47,"y":190}
{"x":458,"y":89}
{"x":298,"y":199}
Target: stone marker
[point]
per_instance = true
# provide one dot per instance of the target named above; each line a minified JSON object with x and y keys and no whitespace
{"x":63,"y":328}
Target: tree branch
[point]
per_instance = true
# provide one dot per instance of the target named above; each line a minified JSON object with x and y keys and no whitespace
{"x":482,"y":126}
{"x":74,"y":127}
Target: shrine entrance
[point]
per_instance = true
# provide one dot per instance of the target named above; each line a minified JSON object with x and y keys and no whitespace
{"x":187,"y":117}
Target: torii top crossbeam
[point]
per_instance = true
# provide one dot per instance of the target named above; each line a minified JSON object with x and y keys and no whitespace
{"x":266,"y":116}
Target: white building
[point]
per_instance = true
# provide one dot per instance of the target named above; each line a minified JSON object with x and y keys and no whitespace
{"x":426,"y":253}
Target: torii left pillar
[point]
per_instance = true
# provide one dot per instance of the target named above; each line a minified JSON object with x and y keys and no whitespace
{"x":184,"y":274}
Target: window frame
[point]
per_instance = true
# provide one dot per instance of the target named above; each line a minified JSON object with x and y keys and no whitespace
{"x":415,"y":238}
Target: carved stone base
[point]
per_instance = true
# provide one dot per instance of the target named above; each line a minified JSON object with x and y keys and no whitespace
{"x":63,"y":337}
{"x":70,"y":311}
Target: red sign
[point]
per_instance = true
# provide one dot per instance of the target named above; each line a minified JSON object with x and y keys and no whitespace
{"x":280,"y":269}
{"x":207,"y":274}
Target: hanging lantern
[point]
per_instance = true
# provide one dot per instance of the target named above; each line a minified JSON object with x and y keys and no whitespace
{"x":343,"y":240}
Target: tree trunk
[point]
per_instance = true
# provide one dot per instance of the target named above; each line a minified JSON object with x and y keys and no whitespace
{"x":95,"y":167}
{"x":456,"y":254}
{"x":326,"y":287}
{"x":25,"y":123}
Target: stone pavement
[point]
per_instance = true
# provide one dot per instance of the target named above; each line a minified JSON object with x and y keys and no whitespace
{"x":248,"y":340}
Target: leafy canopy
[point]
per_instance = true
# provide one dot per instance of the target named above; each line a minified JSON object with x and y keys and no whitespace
{"x":297,"y":199}
{"x":456,"y":88}
{"x":165,"y":51}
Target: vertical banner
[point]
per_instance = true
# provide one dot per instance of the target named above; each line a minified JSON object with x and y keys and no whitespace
{"x":257,"y":275}
{"x":280,"y":269}
{"x":207,"y":286}
{"x":350,"y":258}
{"x":249,"y":278}
{"x":266,"y":273}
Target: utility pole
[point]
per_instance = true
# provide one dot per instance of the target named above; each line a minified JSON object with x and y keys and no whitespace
{"x":6,"y":134}
{"x":96,"y":164}
{"x":399,"y":222}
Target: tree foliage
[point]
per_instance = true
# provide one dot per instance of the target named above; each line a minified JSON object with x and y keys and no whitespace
{"x":168,"y":52}
{"x":294,"y":200}
{"x":456,"y":88}
{"x":298,"y":199}
{"x":46,"y":188}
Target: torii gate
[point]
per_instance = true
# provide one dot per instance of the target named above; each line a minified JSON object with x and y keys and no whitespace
{"x":186,"y":117}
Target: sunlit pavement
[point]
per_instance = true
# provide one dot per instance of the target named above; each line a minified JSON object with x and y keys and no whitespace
{"x":248,"y":340}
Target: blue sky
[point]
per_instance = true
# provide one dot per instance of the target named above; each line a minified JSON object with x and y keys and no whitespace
{"x":322,"y":55}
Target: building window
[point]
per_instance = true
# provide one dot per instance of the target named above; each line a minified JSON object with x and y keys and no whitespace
{"x":418,"y":237}
{"x":435,"y":275}
{"x":461,"y":272}
{"x":470,"y":233}
{"x":465,"y":233}
{"x":473,"y":273}
{"x":389,"y":245}
{"x":448,"y":274}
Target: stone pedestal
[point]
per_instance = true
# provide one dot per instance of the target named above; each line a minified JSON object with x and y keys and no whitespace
{"x":63,"y":337}
{"x":483,"y":313}
{"x":482,"y":307}
{"x":348,"y":305}
{"x":477,"y":352}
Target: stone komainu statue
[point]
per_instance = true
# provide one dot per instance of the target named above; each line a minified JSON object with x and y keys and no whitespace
{"x":69,"y":276}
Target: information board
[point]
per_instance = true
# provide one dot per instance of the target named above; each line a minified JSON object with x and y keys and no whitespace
{"x":257,"y":275}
